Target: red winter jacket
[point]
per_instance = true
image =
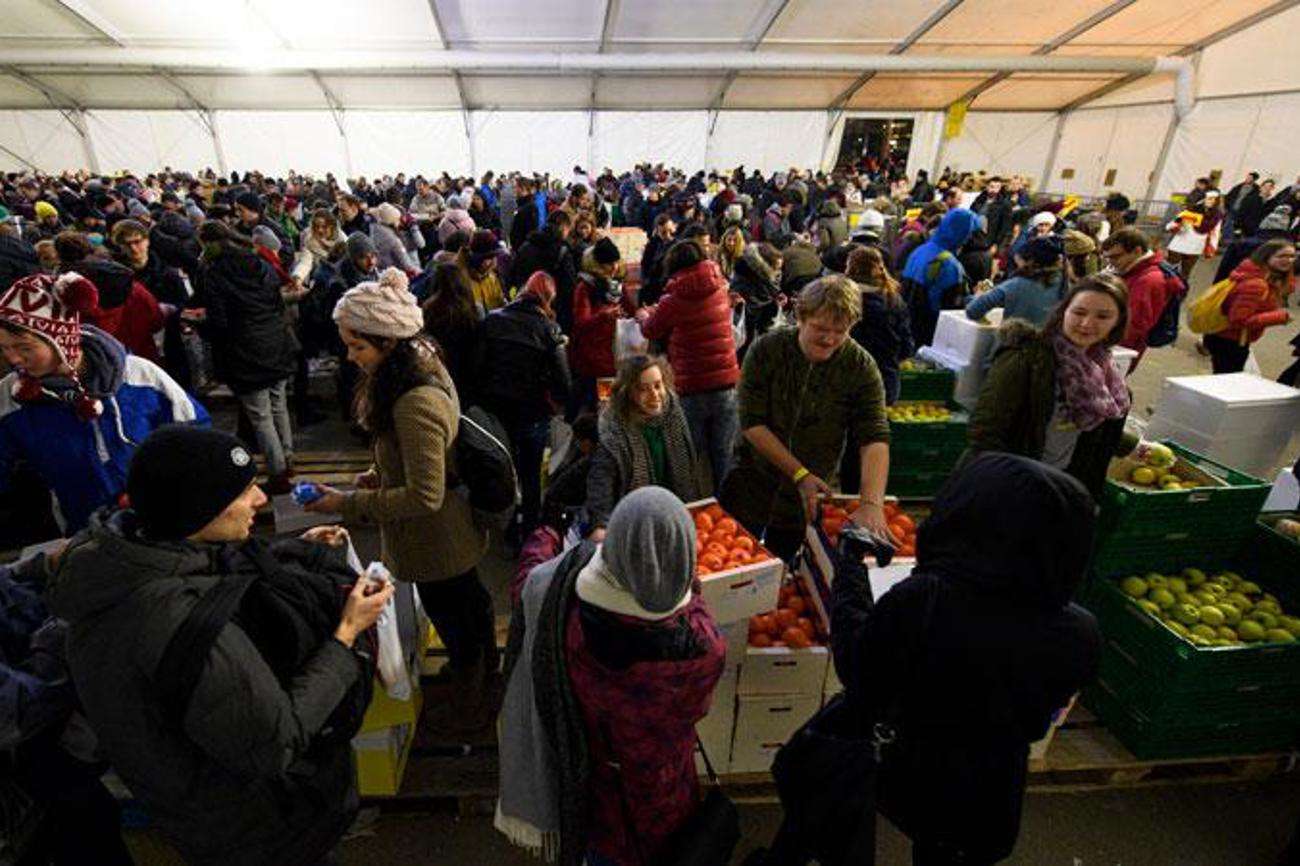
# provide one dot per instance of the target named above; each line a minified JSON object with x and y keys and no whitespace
{"x":1252,"y":305}
{"x":1149,"y":290}
{"x":695,"y":316}
{"x":133,"y":322}
{"x":591,"y":347}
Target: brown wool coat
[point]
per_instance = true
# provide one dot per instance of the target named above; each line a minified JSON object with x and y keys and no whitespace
{"x":427,"y":531}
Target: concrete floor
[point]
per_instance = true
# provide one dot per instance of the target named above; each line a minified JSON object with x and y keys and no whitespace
{"x":1196,"y":825}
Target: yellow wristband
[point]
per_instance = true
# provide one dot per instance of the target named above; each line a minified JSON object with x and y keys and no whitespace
{"x":800,"y":474}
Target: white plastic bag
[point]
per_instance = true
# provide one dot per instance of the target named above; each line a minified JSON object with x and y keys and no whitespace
{"x":391,"y":663}
{"x":1252,"y":365}
{"x":628,"y":340}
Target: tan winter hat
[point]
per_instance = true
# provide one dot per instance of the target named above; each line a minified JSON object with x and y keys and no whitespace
{"x":381,"y":309}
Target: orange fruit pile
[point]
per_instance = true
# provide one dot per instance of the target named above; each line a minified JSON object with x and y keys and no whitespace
{"x":836,"y":514}
{"x":721,"y":543}
{"x":790,"y":625}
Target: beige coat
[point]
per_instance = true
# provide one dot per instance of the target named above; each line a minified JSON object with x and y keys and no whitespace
{"x":427,"y":531}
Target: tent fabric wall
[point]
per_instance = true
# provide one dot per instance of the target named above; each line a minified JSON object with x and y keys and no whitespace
{"x":144,"y":141}
{"x":1003,"y":143}
{"x":44,"y":139}
{"x":624,"y":138}
{"x":767,"y":140}
{"x":414,"y":142}
{"x":1235,"y":136}
{"x":529,"y":141}
{"x":277,"y":141}
{"x":1095,"y":141}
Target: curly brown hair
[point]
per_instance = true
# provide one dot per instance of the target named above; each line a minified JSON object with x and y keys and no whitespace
{"x":407,"y":364}
{"x":629,"y":376}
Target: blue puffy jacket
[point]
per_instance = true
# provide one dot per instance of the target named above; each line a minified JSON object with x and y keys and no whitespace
{"x":85,"y":462}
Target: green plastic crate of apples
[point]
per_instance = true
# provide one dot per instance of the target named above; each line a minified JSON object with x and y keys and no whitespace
{"x":1221,"y":610}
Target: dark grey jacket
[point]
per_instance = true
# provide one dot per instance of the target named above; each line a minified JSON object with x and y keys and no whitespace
{"x":228,"y":786}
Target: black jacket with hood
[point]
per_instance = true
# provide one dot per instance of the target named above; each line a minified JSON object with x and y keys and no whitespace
{"x":520,"y":367}
{"x":252,"y":345}
{"x":980,"y":645}
{"x":237,"y":783}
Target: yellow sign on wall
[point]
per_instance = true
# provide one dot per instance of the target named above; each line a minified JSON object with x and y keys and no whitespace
{"x":955,"y":119}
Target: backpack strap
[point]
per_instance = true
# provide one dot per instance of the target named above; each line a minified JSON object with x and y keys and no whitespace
{"x":187,"y":650}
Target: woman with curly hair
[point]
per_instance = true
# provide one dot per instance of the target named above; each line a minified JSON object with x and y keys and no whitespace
{"x":406,"y":401}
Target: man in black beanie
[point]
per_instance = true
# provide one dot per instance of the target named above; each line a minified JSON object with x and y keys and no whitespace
{"x":249,"y":761}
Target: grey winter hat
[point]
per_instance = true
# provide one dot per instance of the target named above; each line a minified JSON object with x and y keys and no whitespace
{"x":264,"y":237}
{"x":649,"y":548}
{"x":1278,"y":219}
{"x":360,"y":244}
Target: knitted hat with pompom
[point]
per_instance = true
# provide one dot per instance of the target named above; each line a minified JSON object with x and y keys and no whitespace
{"x":381,"y":309}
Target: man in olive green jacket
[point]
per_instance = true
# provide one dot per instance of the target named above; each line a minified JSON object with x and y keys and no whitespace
{"x":806,"y":394}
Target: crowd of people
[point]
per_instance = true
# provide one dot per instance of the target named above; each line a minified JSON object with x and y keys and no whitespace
{"x":749,"y":354}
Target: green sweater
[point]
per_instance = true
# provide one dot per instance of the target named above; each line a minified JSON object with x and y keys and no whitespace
{"x":816,"y":410}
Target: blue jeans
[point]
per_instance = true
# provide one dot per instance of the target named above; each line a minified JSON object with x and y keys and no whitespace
{"x":268,"y":414}
{"x":714,"y":422}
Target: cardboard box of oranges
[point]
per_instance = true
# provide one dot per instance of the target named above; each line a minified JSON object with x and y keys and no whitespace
{"x":738,"y":576}
{"x":787,"y":654}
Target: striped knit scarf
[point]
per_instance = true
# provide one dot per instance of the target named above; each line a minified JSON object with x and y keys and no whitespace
{"x":632,"y":453}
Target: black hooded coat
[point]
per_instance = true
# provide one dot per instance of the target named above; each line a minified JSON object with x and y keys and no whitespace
{"x":1003,"y":648}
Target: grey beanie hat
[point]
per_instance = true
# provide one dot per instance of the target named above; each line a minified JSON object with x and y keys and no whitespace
{"x":360,"y":244}
{"x":649,"y":548}
{"x":264,"y":237}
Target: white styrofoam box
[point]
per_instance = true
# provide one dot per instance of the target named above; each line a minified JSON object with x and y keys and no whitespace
{"x":739,"y":593}
{"x":1123,"y":359}
{"x":964,"y":340}
{"x":763,"y":724}
{"x":970,"y":375}
{"x":1285,"y":495}
{"x":780,"y":670}
{"x":716,"y":729}
{"x":1254,"y":454}
{"x":1228,"y":405}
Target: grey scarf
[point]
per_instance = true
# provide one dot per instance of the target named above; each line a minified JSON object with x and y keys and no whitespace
{"x":629,"y":449}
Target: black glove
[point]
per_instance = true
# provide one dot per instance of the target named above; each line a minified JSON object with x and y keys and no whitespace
{"x":857,"y":542}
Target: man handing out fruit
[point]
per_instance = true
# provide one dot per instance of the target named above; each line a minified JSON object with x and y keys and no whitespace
{"x":806,"y":394}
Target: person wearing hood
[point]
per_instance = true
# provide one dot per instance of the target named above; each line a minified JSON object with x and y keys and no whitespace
{"x":806,"y":395}
{"x":612,"y":659}
{"x":253,"y":349}
{"x":126,"y":309}
{"x":245,"y":772}
{"x":173,"y":237}
{"x":1052,"y":393}
{"x":455,"y":219}
{"x":390,"y":251}
{"x":1041,"y":281}
{"x":407,"y":402}
{"x":985,"y":622}
{"x":933,"y":279}
{"x":922,"y":191}
{"x":1261,"y":286}
{"x":547,"y":250}
{"x":76,"y":404}
{"x":520,"y":370}
{"x":694,"y":316}
{"x":757,"y":281}
{"x":481,"y":266}
{"x":832,"y":229}
{"x":776,"y":226}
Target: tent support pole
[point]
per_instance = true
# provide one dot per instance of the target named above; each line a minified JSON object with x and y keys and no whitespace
{"x":211,"y":123}
{"x":1053,"y":151}
{"x":1153,"y":185}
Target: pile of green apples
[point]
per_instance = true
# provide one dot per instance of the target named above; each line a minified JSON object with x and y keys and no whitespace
{"x":1223,"y":610}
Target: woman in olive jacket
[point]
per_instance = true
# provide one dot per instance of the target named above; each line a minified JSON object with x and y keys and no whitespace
{"x":407,"y":402}
{"x":1053,"y":393}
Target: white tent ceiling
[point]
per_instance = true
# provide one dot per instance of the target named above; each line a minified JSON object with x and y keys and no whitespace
{"x":96,"y":54}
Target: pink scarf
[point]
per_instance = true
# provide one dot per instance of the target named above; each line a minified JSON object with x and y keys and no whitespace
{"x":1093,"y":388}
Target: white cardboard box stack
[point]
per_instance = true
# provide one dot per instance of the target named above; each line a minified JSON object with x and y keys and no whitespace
{"x":1238,"y":419}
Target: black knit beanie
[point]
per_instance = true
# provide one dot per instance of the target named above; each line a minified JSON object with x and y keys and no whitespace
{"x":181,"y":477}
{"x":605,"y":252}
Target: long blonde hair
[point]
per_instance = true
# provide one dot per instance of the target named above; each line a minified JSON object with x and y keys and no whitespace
{"x":727,"y":261}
